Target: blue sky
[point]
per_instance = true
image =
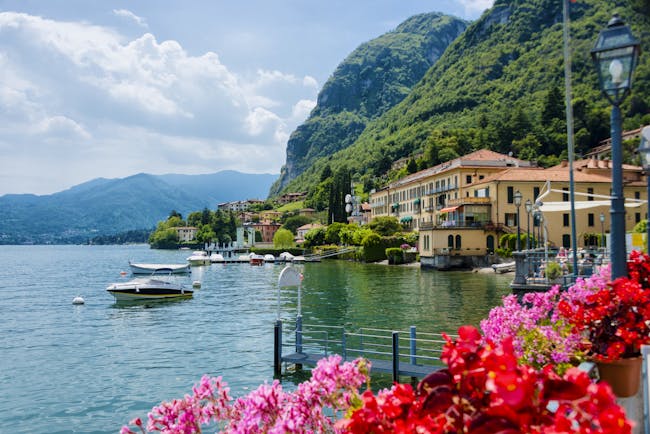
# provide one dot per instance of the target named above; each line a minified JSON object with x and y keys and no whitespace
{"x":95,"y":88}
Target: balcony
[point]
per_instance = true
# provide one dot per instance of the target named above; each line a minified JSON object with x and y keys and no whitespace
{"x":463,"y":224}
{"x":469,"y":201}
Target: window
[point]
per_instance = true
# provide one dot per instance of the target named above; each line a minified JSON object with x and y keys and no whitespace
{"x":637,"y":195}
{"x":535,"y":192}
{"x":637,"y":217}
{"x":458,"y":239}
{"x":511,"y":219}
{"x":481,"y":177}
{"x":566,"y":241}
{"x":565,"y":219}
{"x":590,"y":218}
{"x":511,"y":195}
{"x":565,"y":196}
{"x":450,"y":241}
{"x":590,"y":191}
{"x":490,"y":243}
{"x":468,"y":179}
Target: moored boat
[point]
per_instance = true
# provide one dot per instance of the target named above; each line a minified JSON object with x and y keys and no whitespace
{"x":142,"y":268}
{"x":152,"y":288}
{"x":505,"y":267}
{"x":199,"y":257}
{"x":256,"y":259}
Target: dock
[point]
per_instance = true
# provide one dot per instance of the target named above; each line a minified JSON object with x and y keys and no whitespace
{"x":400,"y":353}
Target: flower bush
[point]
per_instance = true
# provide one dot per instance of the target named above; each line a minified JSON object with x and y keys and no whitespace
{"x":616,"y":318}
{"x":331,"y":391}
{"x":484,"y":390}
{"x":541,"y":334}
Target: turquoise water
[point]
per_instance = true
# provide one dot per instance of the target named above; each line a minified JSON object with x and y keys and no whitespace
{"x":90,"y":368}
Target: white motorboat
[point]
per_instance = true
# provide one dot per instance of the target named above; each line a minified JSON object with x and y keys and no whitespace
{"x":142,"y":268}
{"x":269,"y":258}
{"x":151,"y":288}
{"x":199,"y":257}
{"x":217,"y":258}
{"x":506,"y":267}
{"x":256,"y":259}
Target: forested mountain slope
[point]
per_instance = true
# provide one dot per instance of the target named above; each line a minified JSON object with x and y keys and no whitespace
{"x":371,"y":80}
{"x":500,"y":85}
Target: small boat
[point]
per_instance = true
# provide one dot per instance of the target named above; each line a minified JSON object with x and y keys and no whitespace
{"x":141,"y":268}
{"x":269,"y":258}
{"x":256,"y":259}
{"x":216,"y":258}
{"x":285,"y":256}
{"x":505,"y":267}
{"x":151,"y":288}
{"x":199,"y":257}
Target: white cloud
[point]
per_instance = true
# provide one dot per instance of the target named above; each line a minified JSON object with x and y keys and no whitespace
{"x":125,"y":13}
{"x":473,"y":7}
{"x":302,"y":109}
{"x":138,"y":100}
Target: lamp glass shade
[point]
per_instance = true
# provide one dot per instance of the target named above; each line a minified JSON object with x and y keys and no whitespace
{"x":529,"y":205}
{"x":644,"y":150}
{"x":602,"y":217}
{"x":615,"y":55}
{"x":517,"y":198}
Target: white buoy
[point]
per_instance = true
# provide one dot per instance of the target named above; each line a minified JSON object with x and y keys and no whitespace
{"x":78,"y":300}
{"x":196,"y":284}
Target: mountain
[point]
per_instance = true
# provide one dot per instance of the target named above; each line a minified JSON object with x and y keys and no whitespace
{"x":500,"y":85}
{"x":372,"y":79}
{"x":109,"y":206}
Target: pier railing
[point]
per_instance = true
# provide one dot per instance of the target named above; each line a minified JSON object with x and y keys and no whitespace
{"x":407,"y":352}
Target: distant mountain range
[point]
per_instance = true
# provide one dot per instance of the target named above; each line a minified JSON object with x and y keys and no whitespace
{"x":109,"y":206}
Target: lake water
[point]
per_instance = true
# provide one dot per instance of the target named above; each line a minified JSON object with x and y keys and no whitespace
{"x":91,"y":368}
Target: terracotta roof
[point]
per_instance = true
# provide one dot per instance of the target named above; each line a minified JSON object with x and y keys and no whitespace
{"x":478,"y":158}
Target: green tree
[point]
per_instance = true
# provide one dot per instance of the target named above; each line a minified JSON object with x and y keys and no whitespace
{"x":412,"y":166}
{"x":315,"y":237}
{"x":294,"y":222}
{"x":283,"y":239}
{"x":385,"y":226}
{"x":205,"y":234}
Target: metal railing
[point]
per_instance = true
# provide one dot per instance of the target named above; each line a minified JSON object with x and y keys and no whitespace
{"x":399,"y":352}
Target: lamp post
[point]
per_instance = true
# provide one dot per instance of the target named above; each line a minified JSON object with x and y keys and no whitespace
{"x":602,"y":231}
{"x":517,"y":199}
{"x":529,"y":208}
{"x":644,"y":151}
{"x":615,"y":55}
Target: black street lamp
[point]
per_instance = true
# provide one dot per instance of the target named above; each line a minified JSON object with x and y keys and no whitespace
{"x":615,"y":56}
{"x":529,"y":208}
{"x":644,"y":151}
{"x":517,"y":199}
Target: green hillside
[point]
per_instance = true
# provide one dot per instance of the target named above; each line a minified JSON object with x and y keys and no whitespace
{"x":500,"y":85}
{"x":372,"y":79}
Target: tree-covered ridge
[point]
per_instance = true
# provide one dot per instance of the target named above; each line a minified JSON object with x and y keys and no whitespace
{"x":500,"y":86}
{"x":372,"y":79}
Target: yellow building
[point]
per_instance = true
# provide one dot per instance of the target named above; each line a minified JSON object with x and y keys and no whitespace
{"x":462,"y":207}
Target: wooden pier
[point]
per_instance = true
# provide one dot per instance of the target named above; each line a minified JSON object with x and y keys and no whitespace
{"x":405,"y":353}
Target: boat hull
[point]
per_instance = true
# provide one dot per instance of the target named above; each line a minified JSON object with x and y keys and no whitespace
{"x":148,"y":289}
{"x":159,"y":268}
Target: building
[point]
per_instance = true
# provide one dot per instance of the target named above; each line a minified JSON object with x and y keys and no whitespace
{"x":462,"y":207}
{"x":186,"y":233}
{"x":266,"y":228}
{"x":302,"y":230}
{"x":238,"y":205}
{"x":270,"y":215}
{"x":292,"y":197}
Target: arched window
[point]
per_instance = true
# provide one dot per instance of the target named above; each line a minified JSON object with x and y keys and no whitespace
{"x":458,"y":242}
{"x":450,"y":241}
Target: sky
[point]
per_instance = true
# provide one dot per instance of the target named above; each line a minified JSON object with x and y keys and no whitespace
{"x":97,"y":88}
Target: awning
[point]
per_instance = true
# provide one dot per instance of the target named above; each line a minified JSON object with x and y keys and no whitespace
{"x":449,"y":209}
{"x":582,"y":204}
{"x":406,"y":219}
{"x":416,"y":201}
